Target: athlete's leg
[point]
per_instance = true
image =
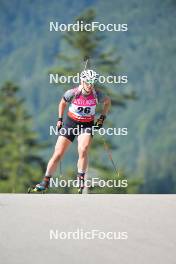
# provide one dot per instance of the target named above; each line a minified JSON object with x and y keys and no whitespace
{"x":84,"y":141}
{"x":61,"y":146}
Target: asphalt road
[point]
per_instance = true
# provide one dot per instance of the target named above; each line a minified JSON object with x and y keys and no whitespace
{"x":27,"y":222}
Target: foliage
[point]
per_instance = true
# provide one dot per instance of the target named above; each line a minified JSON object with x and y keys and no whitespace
{"x":20,"y":163}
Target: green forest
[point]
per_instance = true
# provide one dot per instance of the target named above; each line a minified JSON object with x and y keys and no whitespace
{"x":146,"y":53}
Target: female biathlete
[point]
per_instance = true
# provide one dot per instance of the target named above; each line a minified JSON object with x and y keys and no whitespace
{"x":81,"y":113}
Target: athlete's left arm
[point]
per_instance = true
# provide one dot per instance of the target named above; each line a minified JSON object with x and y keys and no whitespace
{"x":106,"y":101}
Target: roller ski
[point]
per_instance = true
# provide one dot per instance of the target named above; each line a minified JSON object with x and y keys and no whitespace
{"x":40,"y":187}
{"x":80,"y":179}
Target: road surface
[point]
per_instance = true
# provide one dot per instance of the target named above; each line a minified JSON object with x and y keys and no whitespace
{"x":28,"y":220}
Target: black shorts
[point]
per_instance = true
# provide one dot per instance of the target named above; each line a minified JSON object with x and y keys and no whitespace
{"x":72,"y":128}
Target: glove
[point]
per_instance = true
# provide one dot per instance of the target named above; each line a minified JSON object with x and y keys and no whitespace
{"x":100,"y":121}
{"x":59,"y":123}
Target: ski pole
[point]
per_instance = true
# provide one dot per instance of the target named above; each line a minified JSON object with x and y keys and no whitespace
{"x":110,"y":156}
{"x":86,"y":59}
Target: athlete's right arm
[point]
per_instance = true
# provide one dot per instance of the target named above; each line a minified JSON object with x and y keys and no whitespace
{"x":61,"y":108}
{"x":67,"y":97}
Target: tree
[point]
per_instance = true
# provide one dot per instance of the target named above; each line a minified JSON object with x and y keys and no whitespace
{"x":20,"y":164}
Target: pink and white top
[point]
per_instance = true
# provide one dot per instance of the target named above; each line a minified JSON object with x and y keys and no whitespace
{"x":82,"y":108}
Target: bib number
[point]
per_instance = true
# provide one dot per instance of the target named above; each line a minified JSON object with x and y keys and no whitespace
{"x":85,"y":110}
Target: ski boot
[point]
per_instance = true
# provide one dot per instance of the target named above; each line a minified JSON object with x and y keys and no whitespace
{"x":80,"y":179}
{"x":41,"y":187}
